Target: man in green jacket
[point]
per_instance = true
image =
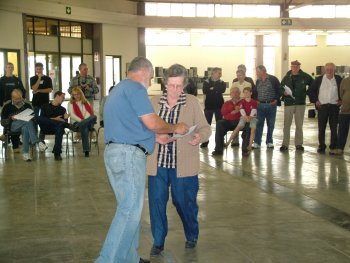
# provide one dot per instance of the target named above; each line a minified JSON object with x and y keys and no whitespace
{"x":293,"y":90}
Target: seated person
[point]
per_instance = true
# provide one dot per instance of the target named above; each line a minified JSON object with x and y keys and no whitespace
{"x":229,"y":121}
{"x":81,"y":115}
{"x":102,"y":105}
{"x":248,"y":111}
{"x":53,"y":120}
{"x":27,"y":128}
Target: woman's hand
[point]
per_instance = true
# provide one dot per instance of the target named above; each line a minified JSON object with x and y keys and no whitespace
{"x":196,"y":139}
{"x":164,"y":138}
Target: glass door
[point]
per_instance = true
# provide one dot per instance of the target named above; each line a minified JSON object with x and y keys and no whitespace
{"x":113,"y":71}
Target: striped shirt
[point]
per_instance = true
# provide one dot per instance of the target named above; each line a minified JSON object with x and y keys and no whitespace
{"x":167,"y":152}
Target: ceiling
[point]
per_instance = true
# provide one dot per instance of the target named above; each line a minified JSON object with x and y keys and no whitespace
{"x":269,"y":2}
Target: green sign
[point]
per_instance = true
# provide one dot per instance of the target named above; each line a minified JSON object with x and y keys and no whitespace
{"x":68,"y":10}
{"x":286,"y":22}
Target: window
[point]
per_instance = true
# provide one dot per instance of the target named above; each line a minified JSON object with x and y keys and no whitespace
{"x":227,"y":38}
{"x":39,"y":26}
{"x":299,"y":39}
{"x":223,"y":10}
{"x":158,"y":37}
{"x":52,"y":27}
{"x":320,"y":11}
{"x":338,"y":39}
{"x":210,"y":10}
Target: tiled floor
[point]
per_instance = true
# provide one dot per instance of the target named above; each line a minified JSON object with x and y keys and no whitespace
{"x":271,"y":207}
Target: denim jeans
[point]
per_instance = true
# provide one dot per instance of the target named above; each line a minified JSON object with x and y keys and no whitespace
{"x":85,"y":127}
{"x":126,"y":169}
{"x":49,"y":126}
{"x":343,"y":130}
{"x":267,"y":112}
{"x":184,"y":195}
{"x":28,"y":132}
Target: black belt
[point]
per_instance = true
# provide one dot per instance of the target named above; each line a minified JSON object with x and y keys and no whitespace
{"x":266,"y":101}
{"x":136,"y":145}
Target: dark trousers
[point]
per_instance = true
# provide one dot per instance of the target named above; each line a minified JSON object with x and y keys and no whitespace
{"x":49,"y":126}
{"x":37,"y":111}
{"x":209,"y":115}
{"x":327,"y":113}
{"x":343,"y":130}
{"x":15,"y":141}
{"x":223,"y":126}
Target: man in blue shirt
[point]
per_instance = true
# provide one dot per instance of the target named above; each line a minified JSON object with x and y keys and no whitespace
{"x":130,"y":125}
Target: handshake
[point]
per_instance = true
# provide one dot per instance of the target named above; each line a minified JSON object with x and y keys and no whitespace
{"x":180,"y":128}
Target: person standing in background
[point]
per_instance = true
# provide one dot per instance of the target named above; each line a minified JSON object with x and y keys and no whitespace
{"x":41,"y":87}
{"x":213,"y":88}
{"x":344,"y":116}
{"x":267,"y":93}
{"x":8,"y":83}
{"x":86,"y":83}
{"x":293,"y":90}
{"x":325,"y":93}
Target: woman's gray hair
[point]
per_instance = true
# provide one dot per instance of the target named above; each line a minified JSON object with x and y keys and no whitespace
{"x":139,"y":63}
{"x":176,"y":70}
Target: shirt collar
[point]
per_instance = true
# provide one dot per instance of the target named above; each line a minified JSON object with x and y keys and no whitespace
{"x":180,"y":101}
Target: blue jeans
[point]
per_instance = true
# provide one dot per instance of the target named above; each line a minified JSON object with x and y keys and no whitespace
{"x":28,"y":132}
{"x":343,"y":130}
{"x":126,"y":168}
{"x":85,"y":127}
{"x":267,"y":112}
{"x":184,"y":195}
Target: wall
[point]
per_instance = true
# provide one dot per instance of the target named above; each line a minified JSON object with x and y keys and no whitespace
{"x":120,"y":41}
{"x":10,"y":39}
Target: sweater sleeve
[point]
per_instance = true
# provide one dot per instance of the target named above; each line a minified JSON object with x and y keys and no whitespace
{"x":73,"y":116}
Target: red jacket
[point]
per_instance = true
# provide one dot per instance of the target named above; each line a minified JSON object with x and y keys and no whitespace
{"x":226,"y":110}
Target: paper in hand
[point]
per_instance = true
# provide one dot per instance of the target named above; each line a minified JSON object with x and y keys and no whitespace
{"x":190,"y":130}
{"x":288,"y":91}
{"x":25,"y":115}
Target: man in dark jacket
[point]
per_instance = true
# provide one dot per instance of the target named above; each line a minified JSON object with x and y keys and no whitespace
{"x":325,"y":93}
{"x":293,"y":90}
{"x":213,"y":88}
{"x":8,"y":83}
{"x":267,"y":93}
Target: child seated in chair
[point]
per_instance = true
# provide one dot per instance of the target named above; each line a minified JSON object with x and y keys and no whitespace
{"x":248,"y":110}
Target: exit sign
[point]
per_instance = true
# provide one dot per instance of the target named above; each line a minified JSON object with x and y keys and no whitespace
{"x":286,"y":22}
{"x":68,"y":10}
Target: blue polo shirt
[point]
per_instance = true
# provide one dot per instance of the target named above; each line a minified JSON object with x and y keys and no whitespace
{"x":125,"y":106}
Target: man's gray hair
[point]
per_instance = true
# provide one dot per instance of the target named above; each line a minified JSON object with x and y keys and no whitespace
{"x":139,"y":63}
{"x":82,"y":65}
{"x":176,"y":70}
{"x":261,"y":68}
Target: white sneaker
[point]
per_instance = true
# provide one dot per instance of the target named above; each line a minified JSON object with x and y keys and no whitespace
{"x":42,"y":146}
{"x":255,"y":146}
{"x":270,"y":145}
{"x":26,"y":157}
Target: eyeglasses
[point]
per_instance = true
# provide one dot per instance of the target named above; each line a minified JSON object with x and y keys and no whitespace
{"x":174,"y":86}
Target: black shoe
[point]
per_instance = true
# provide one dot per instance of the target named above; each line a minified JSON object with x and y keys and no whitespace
{"x":155,"y":251}
{"x":204,"y":144}
{"x":283,"y":148}
{"x":217,"y":153}
{"x":321,"y":150}
{"x":191,"y":244}
{"x":87,"y":154}
{"x":58,"y":157}
{"x":234,"y":144}
{"x":144,"y":260}
{"x":299,"y":148}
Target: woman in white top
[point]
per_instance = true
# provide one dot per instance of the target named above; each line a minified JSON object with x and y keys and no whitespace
{"x":81,"y":115}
